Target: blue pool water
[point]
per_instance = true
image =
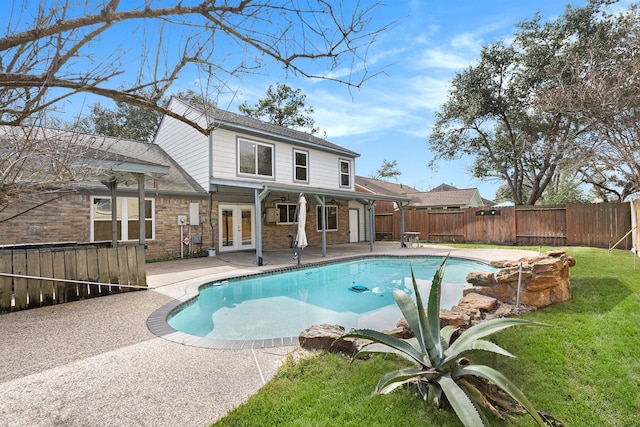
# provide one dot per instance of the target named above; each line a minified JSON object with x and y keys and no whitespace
{"x":285,"y":303}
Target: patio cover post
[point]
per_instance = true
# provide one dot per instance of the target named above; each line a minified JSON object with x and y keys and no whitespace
{"x":372,"y":224}
{"x":113,"y":185}
{"x":259,"y":197}
{"x":142,"y":229}
{"x":401,"y":224}
{"x":323,"y":223}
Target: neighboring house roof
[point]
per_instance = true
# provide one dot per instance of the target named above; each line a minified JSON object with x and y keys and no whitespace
{"x":378,"y":186}
{"x":443,"y":187}
{"x":443,"y":195}
{"x":232,"y":121}
{"x":457,"y":198}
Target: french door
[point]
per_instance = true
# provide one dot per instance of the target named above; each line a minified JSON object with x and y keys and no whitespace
{"x":236,"y":227}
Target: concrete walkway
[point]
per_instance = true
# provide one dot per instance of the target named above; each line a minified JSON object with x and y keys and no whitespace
{"x":95,"y":363}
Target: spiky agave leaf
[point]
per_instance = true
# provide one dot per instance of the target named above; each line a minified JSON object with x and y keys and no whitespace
{"x":479,"y":400}
{"x":433,"y":310}
{"x":425,"y":325}
{"x":461,"y":403}
{"x":477,"y":346}
{"x":445,"y":335}
{"x":483,"y":329}
{"x":383,"y":348}
{"x":397,"y":345}
{"x":501,"y":381}
{"x":394,"y":379}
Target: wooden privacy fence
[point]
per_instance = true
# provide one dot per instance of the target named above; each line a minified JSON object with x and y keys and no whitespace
{"x":28,"y":276}
{"x":595,"y":225}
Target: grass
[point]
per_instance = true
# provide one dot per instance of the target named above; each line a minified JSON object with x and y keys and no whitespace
{"x":585,"y":371}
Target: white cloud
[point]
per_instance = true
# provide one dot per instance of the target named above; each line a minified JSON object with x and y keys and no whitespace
{"x":469,"y":41}
{"x":439,"y":58}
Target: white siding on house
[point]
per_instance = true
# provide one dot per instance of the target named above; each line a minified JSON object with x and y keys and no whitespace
{"x":322,"y":166}
{"x":188,"y":147}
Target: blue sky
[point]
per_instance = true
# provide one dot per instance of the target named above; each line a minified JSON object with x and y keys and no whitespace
{"x":390,"y":117}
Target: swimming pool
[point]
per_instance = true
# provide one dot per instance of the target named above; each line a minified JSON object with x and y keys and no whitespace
{"x":273,"y":306}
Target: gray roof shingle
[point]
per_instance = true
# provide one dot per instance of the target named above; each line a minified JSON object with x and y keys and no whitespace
{"x":228,"y":120}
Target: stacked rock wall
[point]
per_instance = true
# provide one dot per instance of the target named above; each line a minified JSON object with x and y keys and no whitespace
{"x":544,"y":280}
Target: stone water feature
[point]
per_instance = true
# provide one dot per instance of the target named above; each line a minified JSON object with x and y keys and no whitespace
{"x":544,"y":280}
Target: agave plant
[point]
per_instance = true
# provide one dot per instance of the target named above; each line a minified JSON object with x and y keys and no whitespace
{"x":441,"y":367}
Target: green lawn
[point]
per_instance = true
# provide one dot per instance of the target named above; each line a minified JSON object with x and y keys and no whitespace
{"x":585,"y":371}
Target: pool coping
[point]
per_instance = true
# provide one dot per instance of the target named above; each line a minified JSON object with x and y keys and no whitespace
{"x":158,"y":325}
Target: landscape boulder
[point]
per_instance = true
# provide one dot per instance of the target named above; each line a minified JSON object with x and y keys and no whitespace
{"x":322,"y":337}
{"x":544,"y":280}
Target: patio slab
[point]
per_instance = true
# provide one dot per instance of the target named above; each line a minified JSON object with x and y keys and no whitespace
{"x":95,"y":363}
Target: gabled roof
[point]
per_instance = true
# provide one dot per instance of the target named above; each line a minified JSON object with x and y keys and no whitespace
{"x":110,"y":158}
{"x":443,"y":187}
{"x":443,"y":198}
{"x":378,"y":186}
{"x":227,"y":120}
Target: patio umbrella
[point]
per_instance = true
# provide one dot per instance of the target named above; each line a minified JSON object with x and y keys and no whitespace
{"x":301,"y":238}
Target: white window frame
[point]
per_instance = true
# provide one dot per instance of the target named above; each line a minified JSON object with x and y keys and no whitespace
{"x":256,"y":153}
{"x":319,"y":221}
{"x":287,"y":220}
{"x":341,"y":174}
{"x":296,"y":166}
{"x":124,"y":213}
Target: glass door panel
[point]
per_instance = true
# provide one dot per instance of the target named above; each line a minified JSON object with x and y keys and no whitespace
{"x":226,"y":227}
{"x":246,"y":228}
{"x":236,"y":227}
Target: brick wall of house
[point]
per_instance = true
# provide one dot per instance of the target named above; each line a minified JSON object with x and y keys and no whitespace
{"x":279,"y":236}
{"x":69,"y":220}
{"x":63,"y":220}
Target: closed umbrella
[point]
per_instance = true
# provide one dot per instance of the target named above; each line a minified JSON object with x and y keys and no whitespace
{"x":301,"y":238}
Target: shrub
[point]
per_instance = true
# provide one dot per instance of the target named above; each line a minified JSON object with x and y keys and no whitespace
{"x":442,"y":371}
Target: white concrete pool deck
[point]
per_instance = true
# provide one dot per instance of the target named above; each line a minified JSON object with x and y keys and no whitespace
{"x":95,"y":362}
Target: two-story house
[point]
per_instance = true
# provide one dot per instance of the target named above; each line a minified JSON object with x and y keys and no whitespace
{"x":255,"y":173}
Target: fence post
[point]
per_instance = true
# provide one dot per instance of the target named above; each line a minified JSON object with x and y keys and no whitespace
{"x":6,"y":282}
{"x":33,"y":285}
{"x":46,"y":270}
{"x":20,"y":284}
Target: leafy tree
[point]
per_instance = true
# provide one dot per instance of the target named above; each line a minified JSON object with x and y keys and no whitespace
{"x":489,"y":116}
{"x":130,"y":121}
{"x":283,"y":106}
{"x":388,"y":169}
{"x":563,"y":191}
{"x":599,"y":86}
{"x":126,"y":121}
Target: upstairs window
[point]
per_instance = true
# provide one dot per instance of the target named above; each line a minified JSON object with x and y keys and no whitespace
{"x":300,"y":166}
{"x":345,"y":173}
{"x":255,"y":158}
